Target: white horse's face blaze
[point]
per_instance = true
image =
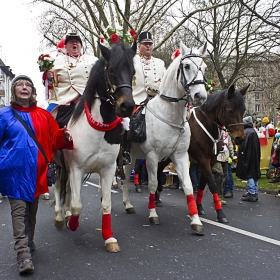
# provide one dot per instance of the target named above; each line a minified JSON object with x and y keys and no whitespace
{"x":193,"y":68}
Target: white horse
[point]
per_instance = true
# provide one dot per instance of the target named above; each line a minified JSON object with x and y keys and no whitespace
{"x":168,"y":132}
{"x":96,"y":126}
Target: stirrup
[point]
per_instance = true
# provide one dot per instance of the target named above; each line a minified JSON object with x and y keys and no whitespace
{"x":126,"y":158}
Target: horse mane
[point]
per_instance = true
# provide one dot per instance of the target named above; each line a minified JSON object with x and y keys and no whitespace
{"x":217,"y":98}
{"x":120,"y":56}
{"x":168,"y":78}
{"x":214,"y":100}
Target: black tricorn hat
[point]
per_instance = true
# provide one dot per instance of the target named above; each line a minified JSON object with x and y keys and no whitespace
{"x":73,"y":36}
{"x":145,"y":37}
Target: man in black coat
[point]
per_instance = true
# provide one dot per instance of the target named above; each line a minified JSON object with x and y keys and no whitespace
{"x":248,"y":165}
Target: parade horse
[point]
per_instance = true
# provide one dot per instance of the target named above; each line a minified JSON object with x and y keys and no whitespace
{"x":222,"y":109}
{"x":96,"y":127}
{"x":168,"y":132}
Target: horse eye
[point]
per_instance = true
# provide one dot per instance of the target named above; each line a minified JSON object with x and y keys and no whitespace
{"x":231,"y":111}
{"x":187,"y":66}
{"x":111,"y":71}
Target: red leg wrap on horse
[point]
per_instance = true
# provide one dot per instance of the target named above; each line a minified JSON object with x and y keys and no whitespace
{"x":136,"y":179}
{"x":73,"y":223}
{"x":199,"y":196}
{"x":106,"y":226}
{"x":152,"y":201}
{"x":191,"y":205}
{"x":217,"y":202}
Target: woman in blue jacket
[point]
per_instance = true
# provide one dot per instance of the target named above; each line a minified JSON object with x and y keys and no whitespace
{"x":23,"y":169}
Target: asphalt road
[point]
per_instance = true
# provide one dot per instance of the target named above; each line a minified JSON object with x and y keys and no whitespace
{"x":246,"y":248}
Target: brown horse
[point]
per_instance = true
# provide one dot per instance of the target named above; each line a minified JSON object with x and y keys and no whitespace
{"x":225,"y":108}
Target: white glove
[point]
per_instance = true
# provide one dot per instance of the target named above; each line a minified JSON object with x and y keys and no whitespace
{"x":154,"y":89}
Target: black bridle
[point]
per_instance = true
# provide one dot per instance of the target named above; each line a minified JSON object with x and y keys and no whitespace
{"x":111,"y":89}
{"x":186,"y":85}
{"x":224,"y":116}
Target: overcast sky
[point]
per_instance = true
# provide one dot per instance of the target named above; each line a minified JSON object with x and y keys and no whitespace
{"x":20,"y":40}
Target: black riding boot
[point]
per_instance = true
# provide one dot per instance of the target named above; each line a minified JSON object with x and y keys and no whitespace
{"x":125,"y":147}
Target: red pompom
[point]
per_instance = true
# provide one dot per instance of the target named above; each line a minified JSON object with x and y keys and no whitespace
{"x":175,"y":54}
{"x":115,"y":38}
{"x":61,"y":44}
{"x":133,"y":34}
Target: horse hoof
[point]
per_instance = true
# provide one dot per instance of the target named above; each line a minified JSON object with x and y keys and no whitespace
{"x":67,"y":220}
{"x":115,"y":186}
{"x":158,"y":203}
{"x":198,"y":229}
{"x":113,"y":247}
{"x":222,"y":220}
{"x":130,"y":211}
{"x":59,"y":224}
{"x":200,"y":210}
{"x":154,"y":221}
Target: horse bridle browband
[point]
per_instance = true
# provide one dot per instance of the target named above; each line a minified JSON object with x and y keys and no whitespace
{"x":111,"y":89}
{"x":184,"y":81}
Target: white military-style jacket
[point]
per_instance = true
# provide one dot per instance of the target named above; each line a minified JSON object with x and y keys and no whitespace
{"x":70,"y":82}
{"x":148,"y":73}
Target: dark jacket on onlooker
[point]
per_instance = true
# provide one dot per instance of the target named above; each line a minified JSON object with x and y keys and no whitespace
{"x":249,"y":153}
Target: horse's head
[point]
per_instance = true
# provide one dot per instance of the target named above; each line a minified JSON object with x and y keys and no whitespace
{"x":190,"y":73}
{"x":118,"y":71}
{"x":232,"y":111}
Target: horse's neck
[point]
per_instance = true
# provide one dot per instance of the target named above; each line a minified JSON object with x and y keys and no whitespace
{"x":214,"y":122}
{"x":171,"y":111}
{"x":95,"y":110}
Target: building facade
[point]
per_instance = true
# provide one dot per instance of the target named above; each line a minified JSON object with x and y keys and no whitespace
{"x":6,"y":77}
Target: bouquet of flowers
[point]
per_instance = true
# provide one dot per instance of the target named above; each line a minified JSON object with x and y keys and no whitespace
{"x":209,"y":86}
{"x":45,"y":62}
{"x":114,"y":35}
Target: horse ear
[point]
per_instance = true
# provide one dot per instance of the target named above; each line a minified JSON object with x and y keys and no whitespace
{"x":134,"y":46}
{"x":230,"y":91}
{"x":203,"y":50}
{"x":183,"y":49}
{"x":105,"y":51}
{"x":244,"y":90}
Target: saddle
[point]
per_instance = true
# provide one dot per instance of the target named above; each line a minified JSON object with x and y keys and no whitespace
{"x":64,"y":114}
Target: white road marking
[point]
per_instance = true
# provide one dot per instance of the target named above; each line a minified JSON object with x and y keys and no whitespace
{"x":241,"y":231}
{"x":97,"y":186}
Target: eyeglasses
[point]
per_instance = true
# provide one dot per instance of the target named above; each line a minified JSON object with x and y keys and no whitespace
{"x":24,"y":85}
